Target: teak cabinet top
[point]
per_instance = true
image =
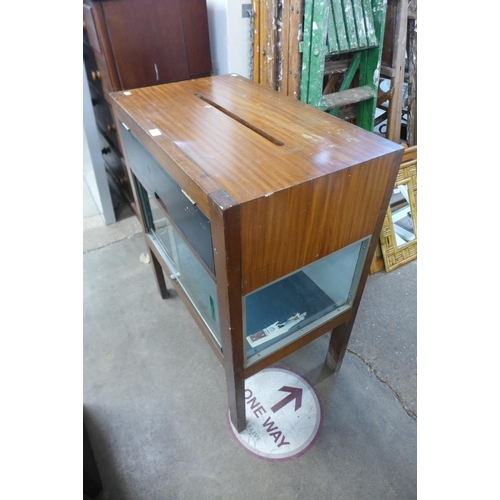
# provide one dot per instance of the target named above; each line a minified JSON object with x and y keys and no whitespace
{"x":245,"y":139}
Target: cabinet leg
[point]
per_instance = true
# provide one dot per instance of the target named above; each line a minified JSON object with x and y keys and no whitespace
{"x":338,"y":346}
{"x":236,"y":400}
{"x":159,"y":276}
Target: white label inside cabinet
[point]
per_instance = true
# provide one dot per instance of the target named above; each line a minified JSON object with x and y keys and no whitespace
{"x":283,"y":415}
{"x":154,"y":132}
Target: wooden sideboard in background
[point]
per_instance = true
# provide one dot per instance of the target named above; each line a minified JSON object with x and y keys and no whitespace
{"x":130,"y":44}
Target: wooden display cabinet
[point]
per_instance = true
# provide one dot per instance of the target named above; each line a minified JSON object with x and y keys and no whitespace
{"x":263,"y":212}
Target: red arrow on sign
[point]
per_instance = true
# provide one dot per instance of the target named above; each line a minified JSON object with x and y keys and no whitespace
{"x":295,"y":393}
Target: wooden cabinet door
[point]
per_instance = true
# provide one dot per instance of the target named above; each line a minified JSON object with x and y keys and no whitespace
{"x":153,"y":39}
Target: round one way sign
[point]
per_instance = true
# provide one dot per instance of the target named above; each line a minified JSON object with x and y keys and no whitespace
{"x":283,"y":415}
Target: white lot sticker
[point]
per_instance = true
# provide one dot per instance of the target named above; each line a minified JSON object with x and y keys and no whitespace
{"x":283,"y":415}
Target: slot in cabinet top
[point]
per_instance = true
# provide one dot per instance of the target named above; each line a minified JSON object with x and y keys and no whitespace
{"x":250,"y":141}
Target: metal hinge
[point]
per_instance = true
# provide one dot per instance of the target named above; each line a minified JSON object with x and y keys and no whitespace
{"x":246,"y":10}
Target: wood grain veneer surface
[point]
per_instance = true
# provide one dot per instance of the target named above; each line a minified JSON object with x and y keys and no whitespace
{"x":241,"y":161}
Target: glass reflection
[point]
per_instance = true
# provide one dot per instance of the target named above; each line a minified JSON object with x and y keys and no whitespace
{"x":160,"y":225}
{"x":402,"y":219}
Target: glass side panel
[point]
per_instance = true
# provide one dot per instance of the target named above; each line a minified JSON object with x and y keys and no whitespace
{"x":198,"y":285}
{"x":193,"y":278}
{"x":282,"y":311}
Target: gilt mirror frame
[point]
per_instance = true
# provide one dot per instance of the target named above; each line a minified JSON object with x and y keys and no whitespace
{"x":393,"y":255}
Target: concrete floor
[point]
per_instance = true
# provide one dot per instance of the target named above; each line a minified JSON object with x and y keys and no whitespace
{"x":155,"y":399}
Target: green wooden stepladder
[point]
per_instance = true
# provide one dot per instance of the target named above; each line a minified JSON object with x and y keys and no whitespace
{"x":333,"y":28}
